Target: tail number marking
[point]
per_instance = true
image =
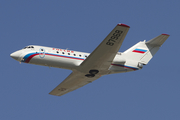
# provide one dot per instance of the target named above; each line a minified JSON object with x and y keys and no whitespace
{"x":114,"y":37}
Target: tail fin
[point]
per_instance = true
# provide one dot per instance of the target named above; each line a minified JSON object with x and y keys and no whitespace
{"x":143,"y":52}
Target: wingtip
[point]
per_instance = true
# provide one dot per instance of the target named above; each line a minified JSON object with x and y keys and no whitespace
{"x":124,"y":25}
{"x":165,"y":34}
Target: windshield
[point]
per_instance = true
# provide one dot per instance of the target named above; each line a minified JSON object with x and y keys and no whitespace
{"x":27,"y":47}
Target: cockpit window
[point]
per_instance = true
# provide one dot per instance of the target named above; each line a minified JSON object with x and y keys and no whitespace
{"x":27,"y":47}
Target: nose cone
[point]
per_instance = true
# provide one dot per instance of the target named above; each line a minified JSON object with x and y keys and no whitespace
{"x":15,"y":55}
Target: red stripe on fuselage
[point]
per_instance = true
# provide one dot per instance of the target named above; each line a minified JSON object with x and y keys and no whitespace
{"x":65,"y":57}
{"x":138,"y":51}
{"x":30,"y":57}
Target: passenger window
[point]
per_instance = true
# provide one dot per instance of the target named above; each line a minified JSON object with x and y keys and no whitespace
{"x":68,"y":53}
{"x":62,"y":52}
{"x":74,"y":54}
{"x":57,"y":51}
{"x":79,"y":55}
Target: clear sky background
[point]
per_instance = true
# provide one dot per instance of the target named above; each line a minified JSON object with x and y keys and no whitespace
{"x":152,"y":93}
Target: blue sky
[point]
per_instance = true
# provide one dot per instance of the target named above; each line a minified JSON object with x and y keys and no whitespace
{"x":152,"y":93}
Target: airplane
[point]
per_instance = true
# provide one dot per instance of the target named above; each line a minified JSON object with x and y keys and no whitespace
{"x":86,"y":67}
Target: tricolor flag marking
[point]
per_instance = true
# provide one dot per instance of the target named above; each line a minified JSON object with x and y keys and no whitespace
{"x":139,"y":50}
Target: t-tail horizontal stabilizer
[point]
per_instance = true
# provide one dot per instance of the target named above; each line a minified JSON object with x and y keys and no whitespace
{"x":158,"y":41}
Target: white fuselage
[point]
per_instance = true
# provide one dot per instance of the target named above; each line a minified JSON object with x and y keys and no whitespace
{"x":66,"y":59}
{"x":86,"y":67}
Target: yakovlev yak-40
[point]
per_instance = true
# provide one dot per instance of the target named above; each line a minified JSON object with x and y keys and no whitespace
{"x":86,"y":67}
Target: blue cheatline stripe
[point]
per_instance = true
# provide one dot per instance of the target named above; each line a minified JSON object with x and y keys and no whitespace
{"x":29,"y":56}
{"x":141,"y":50}
{"x":125,"y":66}
{"x":65,"y":56}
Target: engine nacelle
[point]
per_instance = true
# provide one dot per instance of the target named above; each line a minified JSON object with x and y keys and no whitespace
{"x":119,"y":60}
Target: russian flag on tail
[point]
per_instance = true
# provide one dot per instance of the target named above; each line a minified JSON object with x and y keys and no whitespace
{"x":139,"y":51}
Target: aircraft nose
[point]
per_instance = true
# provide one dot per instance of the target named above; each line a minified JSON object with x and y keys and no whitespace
{"x":15,"y":55}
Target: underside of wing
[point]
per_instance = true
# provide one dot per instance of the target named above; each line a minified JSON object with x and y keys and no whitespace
{"x":96,"y":64}
{"x":101,"y":58}
{"x":74,"y":81}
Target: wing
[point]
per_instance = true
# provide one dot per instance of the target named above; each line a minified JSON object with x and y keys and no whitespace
{"x":101,"y":58}
{"x":74,"y":81}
